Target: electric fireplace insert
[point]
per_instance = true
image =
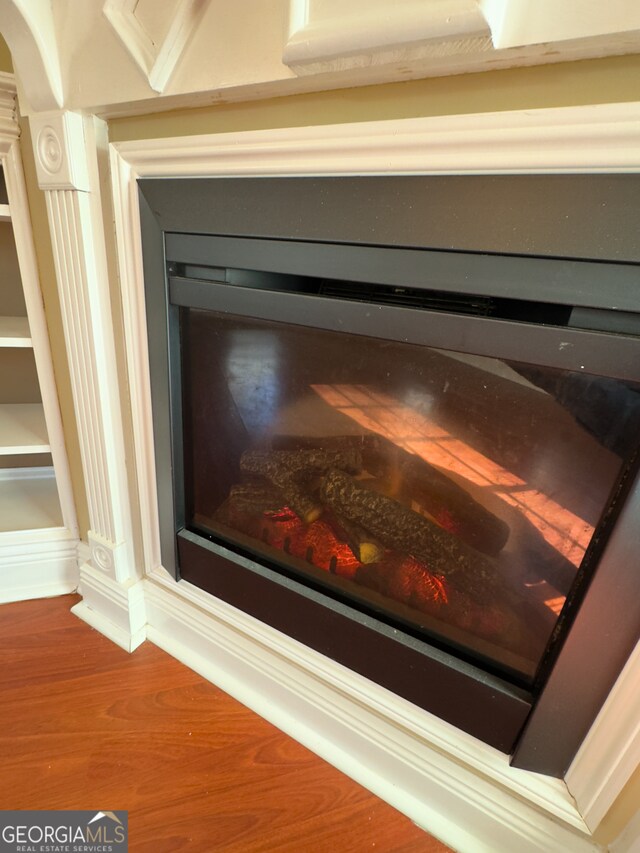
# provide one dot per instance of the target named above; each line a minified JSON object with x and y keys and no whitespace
{"x":406,"y":438}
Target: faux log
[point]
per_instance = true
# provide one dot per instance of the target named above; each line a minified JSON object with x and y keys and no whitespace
{"x":423,"y":482}
{"x":404,"y":530}
{"x":479,"y":527}
{"x":437,"y":493}
{"x":256,"y":498}
{"x":364,"y":546}
{"x":279,"y":469}
{"x":307,"y":461}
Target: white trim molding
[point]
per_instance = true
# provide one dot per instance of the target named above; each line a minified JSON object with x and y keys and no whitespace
{"x":65,"y":147}
{"x":601,"y":138}
{"x":61,"y":162}
{"x":603,"y":764}
{"x":115,"y":609}
{"x":38,"y":564}
{"x":450,"y":783}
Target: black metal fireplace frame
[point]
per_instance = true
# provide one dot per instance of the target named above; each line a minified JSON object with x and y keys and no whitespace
{"x":195,"y":224}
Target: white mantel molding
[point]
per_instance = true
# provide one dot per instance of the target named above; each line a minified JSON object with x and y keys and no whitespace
{"x":421,"y":766}
{"x":65,"y":148}
{"x":601,"y":138}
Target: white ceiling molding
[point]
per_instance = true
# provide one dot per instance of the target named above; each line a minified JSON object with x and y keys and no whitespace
{"x":28,"y":28}
{"x":444,"y":37}
{"x":516,"y":23}
{"x":157,"y":54}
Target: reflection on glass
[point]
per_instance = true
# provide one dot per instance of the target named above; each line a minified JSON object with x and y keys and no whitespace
{"x":454,"y":494}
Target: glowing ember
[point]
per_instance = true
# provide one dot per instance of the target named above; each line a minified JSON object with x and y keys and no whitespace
{"x":414,"y":583}
{"x":408,"y":580}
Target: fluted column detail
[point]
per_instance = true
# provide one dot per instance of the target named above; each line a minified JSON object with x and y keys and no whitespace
{"x":67,"y":166}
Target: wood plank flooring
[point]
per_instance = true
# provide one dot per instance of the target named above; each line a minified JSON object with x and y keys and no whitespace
{"x":87,"y":726}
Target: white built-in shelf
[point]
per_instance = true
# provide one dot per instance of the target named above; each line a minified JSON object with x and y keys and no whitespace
{"x":5,"y":213}
{"x":22,"y":429}
{"x":14,"y":332}
{"x":28,"y":499}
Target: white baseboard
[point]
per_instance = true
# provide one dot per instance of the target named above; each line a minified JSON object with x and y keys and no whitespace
{"x":116,"y":610}
{"x":84,"y":553}
{"x":37,"y":564}
{"x":447,"y":782}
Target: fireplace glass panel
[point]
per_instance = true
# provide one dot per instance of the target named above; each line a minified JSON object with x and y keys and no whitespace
{"x":452,"y":495}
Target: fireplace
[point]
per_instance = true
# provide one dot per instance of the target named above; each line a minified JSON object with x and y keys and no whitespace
{"x":411,"y":452}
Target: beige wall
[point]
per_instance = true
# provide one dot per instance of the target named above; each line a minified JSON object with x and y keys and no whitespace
{"x":18,"y":377}
{"x":593,"y":81}
{"x":621,"y":812}
{"x":5,"y":56}
{"x":11,"y":294}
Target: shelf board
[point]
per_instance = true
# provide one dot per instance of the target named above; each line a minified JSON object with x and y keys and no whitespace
{"x":14,"y":332}
{"x":5,"y":213}
{"x":22,"y":429}
{"x":28,"y":499}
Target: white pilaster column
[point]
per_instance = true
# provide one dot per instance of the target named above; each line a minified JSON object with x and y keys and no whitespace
{"x":65,"y":147}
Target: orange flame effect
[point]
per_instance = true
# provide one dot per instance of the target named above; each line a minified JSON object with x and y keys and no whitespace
{"x":317,"y":543}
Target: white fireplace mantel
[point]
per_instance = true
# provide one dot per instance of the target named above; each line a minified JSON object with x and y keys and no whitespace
{"x":446,"y":781}
{"x":454,"y":786}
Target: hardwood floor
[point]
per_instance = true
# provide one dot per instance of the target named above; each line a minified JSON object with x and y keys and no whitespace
{"x":87,"y":726}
